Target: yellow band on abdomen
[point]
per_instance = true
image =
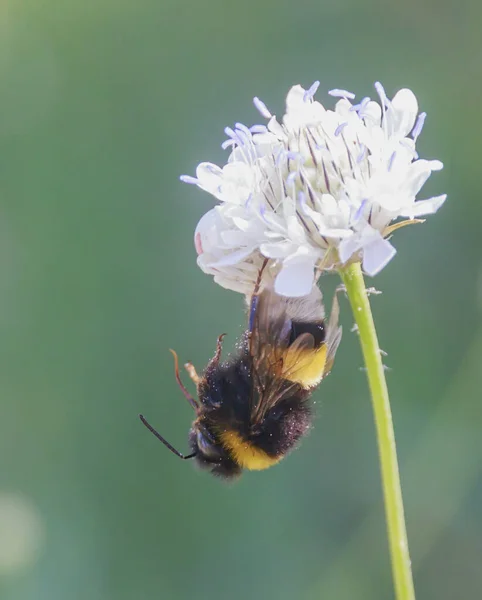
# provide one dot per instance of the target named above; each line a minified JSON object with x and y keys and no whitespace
{"x":246,"y":454}
{"x":305,"y":367}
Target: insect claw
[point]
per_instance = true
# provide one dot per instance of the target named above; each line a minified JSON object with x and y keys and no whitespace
{"x":219,"y":346}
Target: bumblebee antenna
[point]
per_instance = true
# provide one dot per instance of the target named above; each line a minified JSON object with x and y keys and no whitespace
{"x":188,"y":396}
{"x":165,"y":442}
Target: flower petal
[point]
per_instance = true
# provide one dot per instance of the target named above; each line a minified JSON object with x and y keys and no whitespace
{"x":294,"y":99}
{"x":277,"y":249}
{"x":206,"y":233}
{"x":323,"y":228}
{"x":235,"y":285}
{"x":233,"y":258}
{"x":424,"y":207}
{"x":372,"y":113}
{"x":401,"y":113}
{"x":348,"y":247}
{"x":314,"y":181}
{"x":209,"y":176}
{"x":296,"y":277}
{"x":376,"y":255}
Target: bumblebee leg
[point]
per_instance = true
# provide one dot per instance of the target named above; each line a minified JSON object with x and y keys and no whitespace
{"x":165,"y":442}
{"x":254,"y":296}
{"x":213,"y":363}
{"x":188,"y":396}
{"x":260,"y":277}
{"x":191,"y":370}
{"x":219,"y":347}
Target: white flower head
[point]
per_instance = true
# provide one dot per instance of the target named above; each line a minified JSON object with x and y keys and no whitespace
{"x":314,"y":191}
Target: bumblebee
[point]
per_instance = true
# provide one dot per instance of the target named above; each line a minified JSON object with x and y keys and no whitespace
{"x":252,"y":409}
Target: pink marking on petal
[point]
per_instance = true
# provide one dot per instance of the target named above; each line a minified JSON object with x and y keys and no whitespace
{"x":198,"y":244}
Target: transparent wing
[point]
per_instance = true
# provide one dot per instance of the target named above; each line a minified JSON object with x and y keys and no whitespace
{"x":280,"y":363}
{"x":274,"y":355}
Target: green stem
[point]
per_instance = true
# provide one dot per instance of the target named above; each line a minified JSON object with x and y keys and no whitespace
{"x":397,"y":533}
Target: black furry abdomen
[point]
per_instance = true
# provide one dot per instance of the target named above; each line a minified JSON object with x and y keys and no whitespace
{"x":283,"y":426}
{"x":227,"y":395}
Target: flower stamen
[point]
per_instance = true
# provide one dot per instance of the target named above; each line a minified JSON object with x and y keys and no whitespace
{"x":262,"y":108}
{"x":337,"y":93}
{"x":311,"y":91}
{"x":417,"y":130}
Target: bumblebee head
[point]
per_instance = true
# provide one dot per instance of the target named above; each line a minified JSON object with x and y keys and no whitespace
{"x":209,"y":453}
{"x":206,"y":447}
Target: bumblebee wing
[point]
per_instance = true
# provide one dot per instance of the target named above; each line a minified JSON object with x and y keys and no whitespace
{"x":269,"y":323}
{"x":275,"y":357}
{"x":333,"y":335}
{"x":283,"y":354}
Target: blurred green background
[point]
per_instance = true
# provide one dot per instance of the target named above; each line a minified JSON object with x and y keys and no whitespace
{"x":102,"y":105}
